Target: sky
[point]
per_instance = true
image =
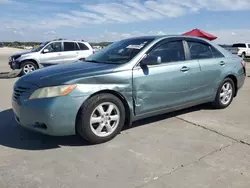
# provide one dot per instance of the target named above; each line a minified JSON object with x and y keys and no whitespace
{"x":112,"y":20}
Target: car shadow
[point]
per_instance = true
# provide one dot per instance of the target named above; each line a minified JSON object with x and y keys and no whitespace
{"x":11,"y":74}
{"x":169,"y":115}
{"x":14,"y":136}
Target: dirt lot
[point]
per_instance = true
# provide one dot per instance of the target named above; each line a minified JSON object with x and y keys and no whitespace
{"x":198,"y":147}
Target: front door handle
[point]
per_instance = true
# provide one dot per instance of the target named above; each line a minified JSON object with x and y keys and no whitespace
{"x":59,"y":54}
{"x":222,"y":63}
{"x":185,"y":69}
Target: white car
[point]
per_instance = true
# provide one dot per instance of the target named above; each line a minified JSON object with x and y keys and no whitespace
{"x":50,"y":53}
{"x":240,"y":49}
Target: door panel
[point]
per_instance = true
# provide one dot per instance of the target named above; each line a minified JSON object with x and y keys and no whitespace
{"x":54,"y":56}
{"x":157,"y":87}
{"x":211,"y":63}
{"x":70,"y":52}
{"x":84,"y":51}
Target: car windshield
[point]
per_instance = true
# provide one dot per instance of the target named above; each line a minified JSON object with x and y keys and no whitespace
{"x":40,"y":47}
{"x":120,"y":52}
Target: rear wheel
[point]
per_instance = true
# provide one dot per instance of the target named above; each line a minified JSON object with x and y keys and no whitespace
{"x":28,"y":67}
{"x":225,"y":94}
{"x":101,"y":118}
{"x":243,"y":55}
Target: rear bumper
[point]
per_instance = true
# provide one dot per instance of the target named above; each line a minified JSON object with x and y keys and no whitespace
{"x":241,"y":80}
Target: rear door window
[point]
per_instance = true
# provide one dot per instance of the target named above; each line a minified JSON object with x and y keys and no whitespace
{"x":248,"y":45}
{"x":70,"y":46}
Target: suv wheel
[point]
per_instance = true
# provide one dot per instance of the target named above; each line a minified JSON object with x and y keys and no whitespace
{"x":225,"y":94}
{"x":243,"y":55}
{"x":28,"y":67}
{"x":101,"y":118}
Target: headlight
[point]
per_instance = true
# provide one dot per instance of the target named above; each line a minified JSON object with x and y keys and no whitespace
{"x":54,"y":91}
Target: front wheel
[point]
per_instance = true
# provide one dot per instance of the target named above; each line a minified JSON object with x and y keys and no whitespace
{"x":100,"y":118}
{"x":225,"y":94}
{"x":28,"y":67}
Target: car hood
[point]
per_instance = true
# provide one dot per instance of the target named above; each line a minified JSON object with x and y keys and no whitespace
{"x":22,"y":53}
{"x":66,"y":73}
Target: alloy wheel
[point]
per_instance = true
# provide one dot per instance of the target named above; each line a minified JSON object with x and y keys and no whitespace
{"x":28,"y":68}
{"x":104,"y":119}
{"x":226,"y":93}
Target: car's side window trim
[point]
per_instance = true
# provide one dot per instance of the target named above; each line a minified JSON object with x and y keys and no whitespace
{"x":76,"y":44}
{"x":187,"y":51}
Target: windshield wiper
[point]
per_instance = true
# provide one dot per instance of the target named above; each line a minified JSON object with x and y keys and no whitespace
{"x":96,"y":61}
{"x":93,"y":61}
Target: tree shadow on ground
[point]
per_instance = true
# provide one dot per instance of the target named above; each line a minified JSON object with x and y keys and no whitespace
{"x":14,"y":136}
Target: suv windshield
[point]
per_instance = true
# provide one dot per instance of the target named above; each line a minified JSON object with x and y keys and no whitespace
{"x":40,"y":47}
{"x":120,"y":52}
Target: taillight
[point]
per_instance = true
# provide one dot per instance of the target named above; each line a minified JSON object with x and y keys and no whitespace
{"x":243,"y":63}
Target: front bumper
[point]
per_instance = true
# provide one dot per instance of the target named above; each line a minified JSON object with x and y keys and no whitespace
{"x":51,"y":116}
{"x":13,"y":64}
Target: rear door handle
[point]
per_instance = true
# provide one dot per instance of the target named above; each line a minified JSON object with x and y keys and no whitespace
{"x":59,"y":54}
{"x":185,"y":69}
{"x":222,"y":63}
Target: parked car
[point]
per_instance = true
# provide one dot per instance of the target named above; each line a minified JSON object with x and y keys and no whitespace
{"x":129,"y":80}
{"x":240,"y":49}
{"x":1,"y":44}
{"x":50,"y":53}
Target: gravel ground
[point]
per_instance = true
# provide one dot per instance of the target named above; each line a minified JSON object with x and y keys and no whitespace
{"x":198,"y":147}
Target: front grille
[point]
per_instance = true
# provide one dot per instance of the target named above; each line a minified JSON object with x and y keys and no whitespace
{"x":18,"y":92}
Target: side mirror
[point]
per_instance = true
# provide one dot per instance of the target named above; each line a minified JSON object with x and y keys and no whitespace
{"x":45,"y":51}
{"x":151,"y":60}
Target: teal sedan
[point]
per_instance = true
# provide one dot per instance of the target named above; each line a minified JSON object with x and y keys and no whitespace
{"x":129,"y":80}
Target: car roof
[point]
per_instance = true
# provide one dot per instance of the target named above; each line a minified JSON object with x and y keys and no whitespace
{"x":156,"y":37}
{"x":67,"y":40}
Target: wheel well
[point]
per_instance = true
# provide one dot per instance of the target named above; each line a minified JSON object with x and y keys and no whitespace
{"x":235,"y":83}
{"x":31,"y":60}
{"x":123,"y":100}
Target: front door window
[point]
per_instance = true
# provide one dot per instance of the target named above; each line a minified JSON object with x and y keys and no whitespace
{"x":54,"y":47}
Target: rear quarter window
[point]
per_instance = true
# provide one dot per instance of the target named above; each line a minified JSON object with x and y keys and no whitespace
{"x":239,"y":45}
{"x":199,"y":50}
{"x":83,"y":46}
{"x":216,"y":53}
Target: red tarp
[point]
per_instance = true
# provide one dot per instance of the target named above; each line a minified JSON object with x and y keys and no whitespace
{"x":200,"y":33}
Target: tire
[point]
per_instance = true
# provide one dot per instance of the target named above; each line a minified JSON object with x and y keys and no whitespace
{"x":98,"y":132}
{"x":220,"y":100}
{"x":243,"y":55}
{"x":28,"y":67}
